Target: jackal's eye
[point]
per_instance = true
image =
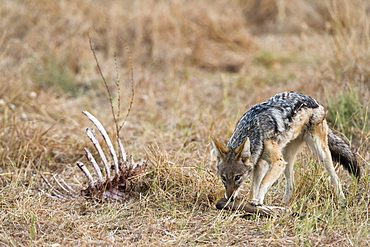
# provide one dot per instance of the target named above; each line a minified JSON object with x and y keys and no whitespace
{"x":223,"y":178}
{"x":237,"y":178}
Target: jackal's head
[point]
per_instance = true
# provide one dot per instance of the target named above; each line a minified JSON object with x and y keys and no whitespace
{"x":233,"y":166}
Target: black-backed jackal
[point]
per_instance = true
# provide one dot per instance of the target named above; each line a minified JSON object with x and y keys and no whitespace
{"x":267,"y":138}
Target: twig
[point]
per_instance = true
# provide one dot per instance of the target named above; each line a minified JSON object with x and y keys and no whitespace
{"x":132,"y":90}
{"x":118,"y":85}
{"x":116,"y":118}
{"x":103,"y":78}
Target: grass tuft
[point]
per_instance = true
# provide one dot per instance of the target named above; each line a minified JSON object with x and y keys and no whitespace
{"x":348,"y":112}
{"x":56,"y":77}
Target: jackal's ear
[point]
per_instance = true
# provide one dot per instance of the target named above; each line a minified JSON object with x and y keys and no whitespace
{"x":243,"y":151}
{"x":219,"y":148}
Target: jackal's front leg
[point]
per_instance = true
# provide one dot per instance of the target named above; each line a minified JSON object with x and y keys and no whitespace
{"x":272,"y":153}
{"x":259,"y":173}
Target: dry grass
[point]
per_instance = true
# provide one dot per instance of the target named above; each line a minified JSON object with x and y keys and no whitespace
{"x":198,"y":65}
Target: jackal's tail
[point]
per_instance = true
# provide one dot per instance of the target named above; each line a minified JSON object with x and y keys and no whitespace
{"x":342,"y":153}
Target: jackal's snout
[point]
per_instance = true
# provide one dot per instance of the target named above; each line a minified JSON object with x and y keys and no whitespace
{"x":231,"y":189}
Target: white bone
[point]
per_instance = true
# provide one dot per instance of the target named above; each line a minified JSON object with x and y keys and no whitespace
{"x":61,"y":186}
{"x":103,"y":132}
{"x":122,"y":150}
{"x":93,"y":139}
{"x":83,"y":168}
{"x":95,"y":165}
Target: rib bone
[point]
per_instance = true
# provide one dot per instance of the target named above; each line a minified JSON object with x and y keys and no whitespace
{"x":93,"y":139}
{"x":122,"y":150}
{"x":95,"y":165}
{"x":90,"y":179}
{"x":101,"y":129}
{"x":62,"y":187}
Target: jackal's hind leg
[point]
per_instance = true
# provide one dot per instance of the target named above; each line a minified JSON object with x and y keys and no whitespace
{"x":273,"y":153}
{"x":318,"y":142}
{"x":290,"y":152}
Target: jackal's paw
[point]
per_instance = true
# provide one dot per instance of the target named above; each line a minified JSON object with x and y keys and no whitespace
{"x":255,"y":203}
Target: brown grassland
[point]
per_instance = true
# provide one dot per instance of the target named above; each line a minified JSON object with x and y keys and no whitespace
{"x":197,"y":67}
